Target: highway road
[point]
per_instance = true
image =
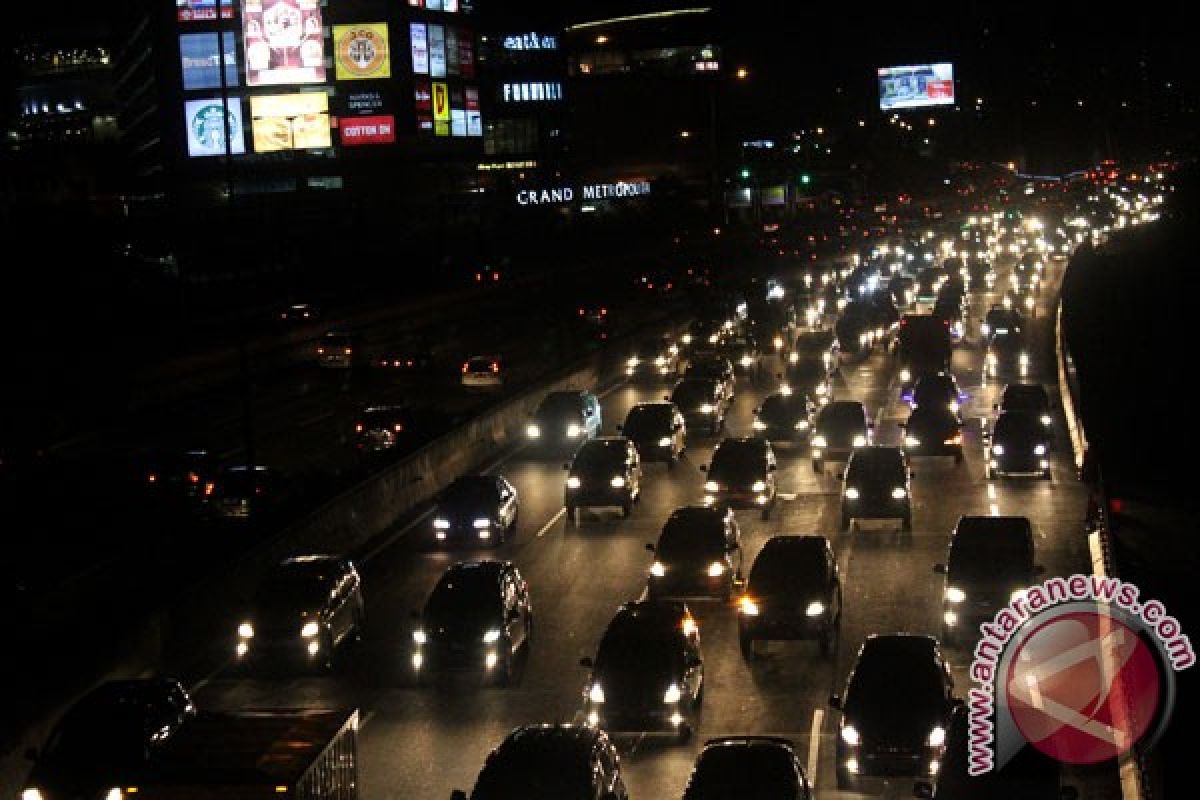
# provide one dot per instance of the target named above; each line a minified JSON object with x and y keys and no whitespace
{"x":420,"y":742}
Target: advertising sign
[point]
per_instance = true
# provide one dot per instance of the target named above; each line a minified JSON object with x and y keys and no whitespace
{"x":206,"y":128}
{"x":474,"y":119}
{"x":530,"y":41}
{"x":361,"y":51}
{"x":284,"y":42}
{"x":452,"y":63}
{"x":466,"y":53}
{"x":368,"y":130}
{"x":916,"y":87}
{"x":437,"y":51}
{"x":199,"y":57}
{"x":364,"y":103}
{"x":531,"y":92}
{"x":458,"y":122}
{"x":423,"y":98}
{"x":200,"y":10}
{"x":290,"y":122}
{"x":419,"y":46}
{"x":441,"y":109}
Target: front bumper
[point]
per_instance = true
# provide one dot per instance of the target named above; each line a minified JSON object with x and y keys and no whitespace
{"x":616,"y":719}
{"x":1033,"y":466}
{"x":455,"y":657}
{"x":783,"y":625}
{"x":740,"y":498}
{"x":688,"y":584}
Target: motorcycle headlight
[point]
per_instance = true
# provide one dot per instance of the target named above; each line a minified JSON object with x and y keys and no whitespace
{"x":617,"y":482}
{"x":573,"y":482}
{"x":246,"y":630}
{"x":850,"y":735}
{"x":899,"y":493}
{"x":596,"y":693}
{"x":657,"y":569}
{"x":712,"y":486}
{"x":573,"y":430}
{"x":851,"y":493}
{"x":664,"y":441}
{"x":716,"y":569}
{"x":860,"y":441}
{"x":481,"y":523}
{"x":759,"y":486}
{"x":491,"y":637}
{"x":310,"y":630}
{"x":441,"y":524}
{"x":955,"y":595}
{"x":672,"y":695}
{"x":815,"y":609}
{"x":937,"y":737}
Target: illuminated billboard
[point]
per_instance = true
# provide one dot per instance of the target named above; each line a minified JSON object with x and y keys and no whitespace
{"x":916,"y":87}
{"x":367,"y":130}
{"x":437,"y":51}
{"x":361,"y":51}
{"x":206,"y":127}
{"x":290,"y":122}
{"x":284,"y":42}
{"x":200,"y":10}
{"x":441,"y":109}
{"x":200,"y":55}
{"x":418,"y":43}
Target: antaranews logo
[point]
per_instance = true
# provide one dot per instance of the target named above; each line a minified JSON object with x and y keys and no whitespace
{"x":1077,"y":667}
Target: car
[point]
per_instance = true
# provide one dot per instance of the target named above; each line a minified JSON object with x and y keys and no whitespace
{"x":413,"y":355}
{"x":380,"y":429}
{"x":299,"y":313}
{"x":564,"y":419}
{"x":595,"y":320}
{"x":980,"y":274}
{"x":821,"y":344}
{"x":240,"y":492}
{"x":742,"y":475}
{"x":933,"y":431}
{"x":648,"y":672}
{"x":784,"y":415}
{"x":550,"y":762}
{"x":894,"y":710}
{"x":702,"y":333}
{"x":658,"y":430}
{"x":876,"y":485}
{"x":807,"y":377}
{"x":475,"y":509}
{"x":1018,"y":444}
{"x":748,"y":768}
{"x":303,"y":611}
{"x":938,"y":389}
{"x":742,"y":352}
{"x":702,"y":403}
{"x":902,"y":287}
{"x":606,"y":471}
{"x":478,"y":617}
{"x":839,"y":427}
{"x":923,"y":344}
{"x":1000,"y":320}
{"x":483,"y":373}
{"x":929,"y":280}
{"x":699,"y":553}
{"x":1007,"y":355}
{"x":653,"y":359}
{"x":794,"y":591}
{"x":106,"y":738}
{"x":1032,"y":263}
{"x":1029,"y":775}
{"x":712,"y":364}
{"x":990,"y":562}
{"x":181,"y":477}
{"x":340,"y":350}
{"x":1030,"y":397}
{"x":856,"y":328}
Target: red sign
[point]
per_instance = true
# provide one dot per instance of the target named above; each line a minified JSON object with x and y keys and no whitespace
{"x":939,"y":89}
{"x":368,"y":130}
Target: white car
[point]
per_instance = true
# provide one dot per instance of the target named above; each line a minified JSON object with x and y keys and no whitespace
{"x":483,"y":372}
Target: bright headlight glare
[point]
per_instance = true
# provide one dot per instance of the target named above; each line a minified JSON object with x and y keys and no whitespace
{"x":596,"y":693}
{"x":850,"y":735}
{"x":246,"y":630}
{"x":657,"y":569}
{"x":573,"y":430}
{"x":533,"y":431}
{"x":851,"y":493}
{"x":114,"y":794}
{"x":937,"y":737}
{"x":802,"y":425}
{"x":998,"y":449}
{"x":819,"y":441}
{"x":748,"y":607}
{"x":1046,"y":420}
{"x":1039,"y":450}
{"x":899,"y":493}
{"x":32,"y":793}
{"x":905,"y":375}
{"x":664,"y":441}
{"x":716,"y":569}
{"x":955,"y":595}
{"x":491,"y":637}
{"x":712,"y":486}
{"x":481,"y":523}
{"x":860,"y":441}
{"x":310,"y":630}
{"x":419,"y":637}
{"x":617,"y":482}
{"x":672,"y":695}
{"x":573,"y":482}
{"x":912,"y":441}
{"x":441,"y":524}
{"x":632,"y":362}
{"x":815,"y":609}
{"x":759,"y":486}
{"x":707,"y":408}
{"x":747,"y":361}
{"x":758,"y":425}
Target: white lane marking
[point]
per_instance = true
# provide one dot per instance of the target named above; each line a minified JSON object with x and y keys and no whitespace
{"x":562,"y":512}
{"x":814,"y":745}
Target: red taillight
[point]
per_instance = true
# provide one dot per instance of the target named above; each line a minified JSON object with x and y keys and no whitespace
{"x":495,"y":276}
{"x":152,"y":478}
{"x":348,"y":350}
{"x":604,"y":312}
{"x":465,"y":366}
{"x":1116,"y":505}
{"x":398,"y":427}
{"x":409,"y":362}
{"x":208,"y":489}
{"x":193,"y":477}
{"x":358,"y":428}
{"x":320,"y":351}
{"x":478,"y":277}
{"x":495,"y":366}
{"x":581,"y":312}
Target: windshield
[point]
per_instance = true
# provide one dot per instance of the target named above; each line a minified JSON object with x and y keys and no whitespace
{"x":600,"y":456}
{"x":95,"y":735}
{"x":690,"y":541}
{"x":738,"y":460}
{"x":755,"y":772}
{"x":465,"y":597}
{"x":629,"y":646}
{"x":989,"y":555}
{"x":875,"y":464}
{"x":649,"y":418}
{"x":295,"y":588}
{"x":692,"y":393}
{"x":559,"y":405}
{"x":893,"y":682}
{"x":788,"y":568}
{"x":841,"y":416}
{"x":470,"y":492}
{"x":1019,"y":425}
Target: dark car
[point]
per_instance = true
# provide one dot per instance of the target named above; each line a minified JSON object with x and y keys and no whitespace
{"x":748,"y":768}
{"x":808,"y":377}
{"x":413,"y":355}
{"x":1018,"y":444}
{"x":785,"y":415}
{"x":938,"y":389}
{"x":742,"y":475}
{"x":699,"y":553}
{"x":822,"y":344}
{"x":478,"y":617}
{"x":1007,"y":355}
{"x":877,"y":486}
{"x":658,"y":430}
{"x":894,"y":711}
{"x":1029,"y":775}
{"x":654,"y":359}
{"x":104,"y":741}
{"x":380,"y":429}
{"x":550,"y":762}
{"x":564,"y":419}
{"x":932,"y":430}
{"x":794,"y":592}
{"x":299,"y":313}
{"x":711,"y":364}
{"x":475,"y":509}
{"x":923,"y":344}
{"x":702,"y":404}
{"x":340,"y":350}
{"x":606,"y":472}
{"x":839,"y":427}
{"x":648,"y":673}
{"x":181,"y":478}
{"x":240,"y":492}
{"x":703,"y":333}
{"x":742,"y":351}
{"x":980,"y":274}
{"x":1000,"y":320}
{"x":856,"y":328}
{"x":1031,"y":397}
{"x":990,"y":562}
{"x":305,"y":609}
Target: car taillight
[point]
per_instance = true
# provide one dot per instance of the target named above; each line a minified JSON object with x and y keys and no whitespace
{"x":399,"y":427}
{"x":151,"y":478}
{"x":465,"y":368}
{"x":320,"y":351}
{"x":495,"y":276}
{"x":495,"y":367}
{"x":348,"y":350}
{"x":358,"y":428}
{"x":193,"y":477}
{"x":208,"y":488}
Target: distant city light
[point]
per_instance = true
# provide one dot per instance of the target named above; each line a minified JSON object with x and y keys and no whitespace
{"x":742,"y":73}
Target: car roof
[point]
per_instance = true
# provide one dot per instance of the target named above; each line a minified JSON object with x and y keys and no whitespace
{"x":898,"y":645}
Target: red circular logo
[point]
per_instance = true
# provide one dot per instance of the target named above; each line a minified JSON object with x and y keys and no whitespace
{"x":1083,"y":687}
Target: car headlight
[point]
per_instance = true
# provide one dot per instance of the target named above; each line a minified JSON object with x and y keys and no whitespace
{"x":573,"y":482}
{"x":850,"y":735}
{"x":802,"y":425}
{"x":712,"y":486}
{"x":759,"y":486}
{"x":953,"y":406}
{"x":822,"y":389}
{"x":617,"y":482}
{"x":491,"y":637}
{"x":632,"y":362}
{"x":713,"y":339}
{"x":814,"y":609}
{"x":912,"y":441}
{"x":955,"y":595}
{"x":899,"y":493}
{"x":746,"y":361}
{"x":707,"y":408}
{"x":657,"y":569}
{"x":851,"y":493}
{"x":716,"y":569}
{"x":246,"y":630}
{"x":758,"y":425}
{"x":998,"y":449}
{"x":1047,"y":420}
{"x":1039,"y":450}
{"x":664,"y":441}
{"x":937,"y":737}
{"x":533,"y":431}
{"x":481,"y":523}
{"x":310,"y":630}
{"x":1023,"y":359}
{"x":661,"y":361}
{"x":32,"y":793}
{"x":686,"y":338}
{"x":905,"y":375}
{"x":573,"y":430}
{"x":794,"y":358}
{"x":596,"y":693}
{"x":672,"y":695}
{"x":748,"y":607}
{"x":984,"y":329}
{"x":818,"y":441}
{"x":114,"y":794}
{"x":860,"y":441}
{"x":419,"y":637}
{"x":441,"y":524}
